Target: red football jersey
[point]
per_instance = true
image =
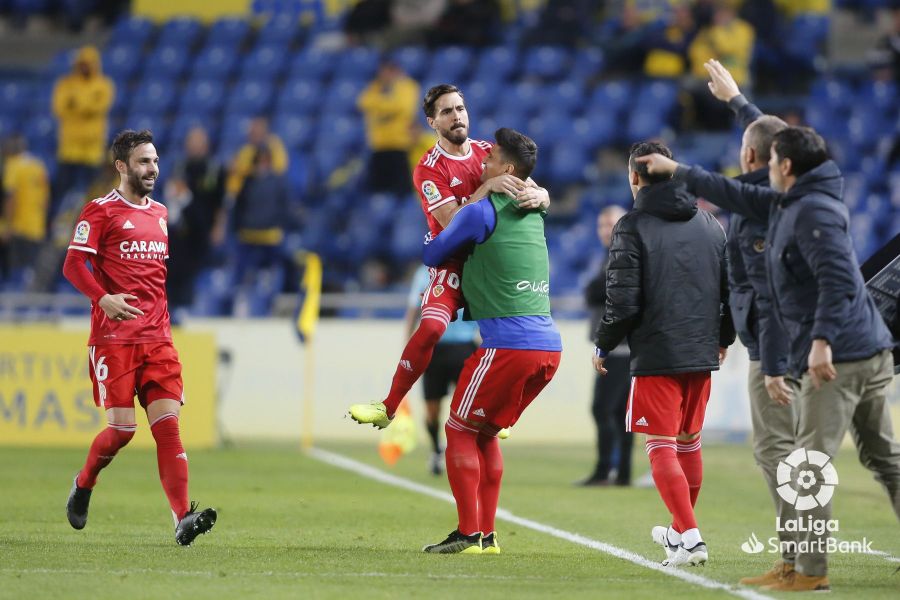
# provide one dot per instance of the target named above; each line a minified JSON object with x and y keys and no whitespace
{"x":441,"y":178}
{"x":129,"y":245}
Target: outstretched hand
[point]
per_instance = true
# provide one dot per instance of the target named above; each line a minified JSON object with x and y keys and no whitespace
{"x":721,"y":83}
{"x":657,"y":164}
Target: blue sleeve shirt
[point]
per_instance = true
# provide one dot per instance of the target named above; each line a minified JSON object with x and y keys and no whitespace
{"x":473,"y":224}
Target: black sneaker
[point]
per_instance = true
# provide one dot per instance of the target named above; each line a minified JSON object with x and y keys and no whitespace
{"x":194,"y":524}
{"x":77,"y":505}
{"x":457,"y":543}
{"x":489,"y":544}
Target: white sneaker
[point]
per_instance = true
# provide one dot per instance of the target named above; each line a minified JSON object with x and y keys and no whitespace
{"x":660,"y":536}
{"x":695,"y":557}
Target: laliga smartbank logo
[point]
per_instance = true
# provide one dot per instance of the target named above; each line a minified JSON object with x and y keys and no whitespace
{"x":806,"y":480}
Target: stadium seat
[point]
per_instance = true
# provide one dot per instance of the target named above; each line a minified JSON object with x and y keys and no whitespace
{"x":414,"y":60}
{"x":215,"y":61}
{"x":587,"y":64}
{"x":341,"y":95}
{"x":185,"y":121}
{"x":567,"y":96}
{"x":300,"y":97}
{"x":282,"y":29}
{"x":154,"y":96}
{"x":266,"y":60}
{"x":567,"y":163}
{"x":547,"y":62}
{"x":9,"y":124}
{"x":661,"y":94}
{"x":313,"y":63}
{"x":40,"y":131}
{"x":481,"y":98}
{"x":613,"y":96}
{"x":450,"y":63}
{"x":173,"y":60}
{"x":497,"y":64}
{"x":183,"y":32}
{"x":139,"y":120}
{"x":550,"y":127}
{"x":121,"y":60}
{"x":836,"y":94}
{"x":606,"y":127}
{"x":525,"y":97}
{"x":233,"y":135}
{"x":15,"y":96}
{"x":250,"y":97}
{"x":880,"y":94}
{"x":359,"y":64}
{"x":865,"y":126}
{"x":340,"y":131}
{"x":203,"y":96}
{"x":296,"y":131}
{"x":136,"y":31}
{"x":230,"y":31}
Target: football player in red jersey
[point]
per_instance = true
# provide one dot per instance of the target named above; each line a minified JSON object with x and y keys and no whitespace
{"x":447,"y":177}
{"x":124,"y":236}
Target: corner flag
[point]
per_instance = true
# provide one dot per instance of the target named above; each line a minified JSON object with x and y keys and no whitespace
{"x":309,"y":295}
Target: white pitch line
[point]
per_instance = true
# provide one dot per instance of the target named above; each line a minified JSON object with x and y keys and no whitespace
{"x":365,"y":470}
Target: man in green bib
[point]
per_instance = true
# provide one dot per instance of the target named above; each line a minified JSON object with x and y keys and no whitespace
{"x":506,"y":282}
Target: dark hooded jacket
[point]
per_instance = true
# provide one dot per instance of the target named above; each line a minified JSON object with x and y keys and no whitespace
{"x":667,"y":286}
{"x":817,"y":289}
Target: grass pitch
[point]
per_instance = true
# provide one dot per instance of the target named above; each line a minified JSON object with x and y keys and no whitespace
{"x":292,"y":527}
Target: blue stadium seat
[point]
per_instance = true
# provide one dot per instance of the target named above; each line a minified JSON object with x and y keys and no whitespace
{"x":231,"y":31}
{"x":525,"y":97}
{"x":40,"y":131}
{"x":15,"y":96}
{"x":312,"y":63}
{"x":339,"y":130}
{"x":121,"y":60}
{"x":451,"y":63}
{"x":547,"y":62}
{"x":496,"y":64}
{"x":550,"y":128}
{"x":9,"y":124}
{"x":233,"y":135}
{"x":567,"y":163}
{"x":266,"y":60}
{"x":660,"y":94}
{"x":133,"y":30}
{"x":215,"y":61}
{"x":156,"y":123}
{"x":412,"y":59}
{"x":298,"y":174}
{"x":604,"y":124}
{"x":172,"y":60}
{"x":829,"y":123}
{"x":185,"y":121}
{"x":296,"y":131}
{"x":613,"y":96}
{"x":61,"y":64}
{"x":341,"y":95}
{"x":865,"y":126}
{"x":300,"y":97}
{"x":183,"y":32}
{"x":880,"y":94}
{"x":359,"y":63}
{"x":587,"y":64}
{"x":805,"y":39}
{"x":154,"y":96}
{"x":481,"y":98}
{"x":250,"y":97}
{"x":567,"y":96}
{"x":834,"y":93}
{"x":203,"y":96}
{"x":281,"y":29}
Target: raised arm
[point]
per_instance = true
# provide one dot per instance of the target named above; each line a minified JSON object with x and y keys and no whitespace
{"x":723,"y":86}
{"x":472,"y":224}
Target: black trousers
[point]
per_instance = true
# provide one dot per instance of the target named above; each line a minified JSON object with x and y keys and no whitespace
{"x":609,"y":407}
{"x":389,"y":172}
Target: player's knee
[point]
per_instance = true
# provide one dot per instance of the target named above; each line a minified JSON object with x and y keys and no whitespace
{"x":123,"y":436}
{"x":431,"y":330}
{"x":687,"y":437}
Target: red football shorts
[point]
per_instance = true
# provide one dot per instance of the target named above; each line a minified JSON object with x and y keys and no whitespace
{"x":443,"y":297}
{"x":496,"y":385}
{"x":668,"y":404}
{"x":149,"y":371}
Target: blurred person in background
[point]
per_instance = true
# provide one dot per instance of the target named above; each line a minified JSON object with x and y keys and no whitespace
{"x":728,"y":39}
{"x":81,"y":103}
{"x":466,"y":23}
{"x":667,"y":45}
{"x":389,"y":104}
{"x":259,"y":216}
{"x":258,"y":136}
{"x":884,"y":58}
{"x":195,"y":197}
{"x":450,"y":354}
{"x":610,"y":392}
{"x":366,"y":19}
{"x":26,"y":195}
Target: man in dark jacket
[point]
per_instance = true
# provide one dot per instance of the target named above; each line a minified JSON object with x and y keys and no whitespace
{"x":772,"y":414}
{"x":666,"y":287}
{"x":836,"y":334}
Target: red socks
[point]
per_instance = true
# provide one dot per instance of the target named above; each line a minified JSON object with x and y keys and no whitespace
{"x":491,"y":464}
{"x":671,"y":483}
{"x":172,"y":462}
{"x":416,"y":356}
{"x":103,"y":449}
{"x":691,"y":462}
{"x":463,"y":472}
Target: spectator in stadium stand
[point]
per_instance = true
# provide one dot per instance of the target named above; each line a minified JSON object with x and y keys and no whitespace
{"x":259,"y":216}
{"x":773,"y":418}
{"x":667,"y":291}
{"x":840,"y":347}
{"x":467,"y":23}
{"x":195,"y":194}
{"x":367,"y":18}
{"x":885,"y":56}
{"x":622,"y":41}
{"x":729,"y":40}
{"x":81,"y":103}
{"x":26,"y":194}
{"x":564,"y":23}
{"x":389,"y":104}
{"x":258,"y":135}
{"x":610,"y":392}
{"x":667,"y":45}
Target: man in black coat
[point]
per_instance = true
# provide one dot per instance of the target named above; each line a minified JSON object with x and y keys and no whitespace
{"x":667,"y":286}
{"x":839,"y":345}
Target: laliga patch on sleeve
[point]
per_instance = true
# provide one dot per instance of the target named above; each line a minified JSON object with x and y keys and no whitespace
{"x":82,"y":231}
{"x":431,"y":192}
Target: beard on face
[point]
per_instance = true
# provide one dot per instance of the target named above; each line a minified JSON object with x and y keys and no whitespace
{"x":456,"y":136}
{"x":139,"y":185}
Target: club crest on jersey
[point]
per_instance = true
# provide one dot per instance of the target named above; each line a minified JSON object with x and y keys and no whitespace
{"x":430,"y":192}
{"x":759,"y":245}
{"x":437,"y":290}
{"x":82,"y":231}
{"x":162,"y":225}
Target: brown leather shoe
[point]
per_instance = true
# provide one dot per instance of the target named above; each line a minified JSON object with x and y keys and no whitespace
{"x":796,"y":582}
{"x":773,"y":575}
